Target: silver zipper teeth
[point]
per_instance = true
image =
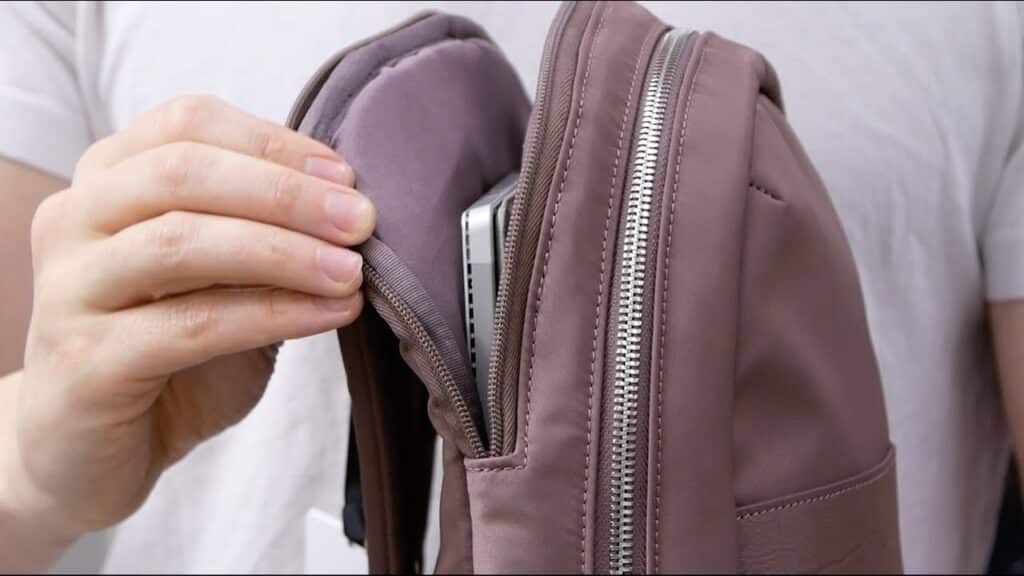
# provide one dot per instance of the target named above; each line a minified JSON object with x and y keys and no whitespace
{"x":632,"y":277}
{"x":500,"y":445}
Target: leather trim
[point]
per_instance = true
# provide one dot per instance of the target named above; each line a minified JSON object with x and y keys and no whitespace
{"x":848,"y":527}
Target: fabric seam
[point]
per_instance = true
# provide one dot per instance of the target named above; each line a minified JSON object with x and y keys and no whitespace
{"x":544,"y":270}
{"x":600,"y":294}
{"x":593,"y":346}
{"x":665,"y":301}
{"x":820,"y":498}
{"x":376,"y":71}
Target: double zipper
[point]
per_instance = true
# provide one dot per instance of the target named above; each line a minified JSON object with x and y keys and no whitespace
{"x":633,"y":275}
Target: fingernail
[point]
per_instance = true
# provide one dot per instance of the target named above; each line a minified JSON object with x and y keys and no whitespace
{"x":332,"y":304}
{"x":348,"y":212}
{"x":338,"y":264}
{"x":337,"y":172}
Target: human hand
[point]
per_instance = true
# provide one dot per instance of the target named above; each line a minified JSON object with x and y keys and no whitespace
{"x":186,"y":246}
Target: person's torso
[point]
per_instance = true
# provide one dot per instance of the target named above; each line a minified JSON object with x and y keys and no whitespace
{"x":907,"y":115}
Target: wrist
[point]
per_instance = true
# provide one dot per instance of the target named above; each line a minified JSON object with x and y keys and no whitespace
{"x":32,"y":534}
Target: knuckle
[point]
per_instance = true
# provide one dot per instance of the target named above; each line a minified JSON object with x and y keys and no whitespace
{"x":43,"y":219}
{"x":89,"y":159}
{"x":71,"y":349}
{"x":179,"y":118}
{"x":193,"y":320}
{"x":46,"y":221}
{"x":74,"y":349}
{"x":175,"y":165}
{"x":285,"y":193}
{"x":277,"y":250}
{"x":171,"y":240}
{"x":275,"y":304}
{"x":268,"y":143}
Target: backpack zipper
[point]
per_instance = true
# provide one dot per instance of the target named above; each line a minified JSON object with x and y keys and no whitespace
{"x":630,"y":310}
{"x":446,"y":386}
{"x":503,"y":362}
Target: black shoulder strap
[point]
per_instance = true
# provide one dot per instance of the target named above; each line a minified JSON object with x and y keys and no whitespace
{"x":394,"y":444}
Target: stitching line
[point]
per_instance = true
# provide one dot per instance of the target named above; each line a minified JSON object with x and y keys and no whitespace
{"x":815,"y":499}
{"x":547,"y":254}
{"x":496,"y":468}
{"x":664,"y":307}
{"x":372,"y":75}
{"x":765,"y":191}
{"x":600,"y":296}
{"x":597,"y":311}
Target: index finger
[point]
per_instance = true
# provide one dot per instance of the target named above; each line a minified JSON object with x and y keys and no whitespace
{"x":211,"y":121}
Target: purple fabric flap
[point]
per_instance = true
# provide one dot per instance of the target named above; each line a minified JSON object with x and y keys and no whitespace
{"x":429,"y":117}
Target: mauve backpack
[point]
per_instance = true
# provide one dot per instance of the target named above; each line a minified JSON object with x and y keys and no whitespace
{"x":682,"y":378}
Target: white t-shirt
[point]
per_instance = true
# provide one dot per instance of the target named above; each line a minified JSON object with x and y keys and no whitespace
{"x":912,"y":114}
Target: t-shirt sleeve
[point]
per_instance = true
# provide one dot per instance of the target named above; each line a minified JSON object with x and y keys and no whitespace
{"x":43,"y":121}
